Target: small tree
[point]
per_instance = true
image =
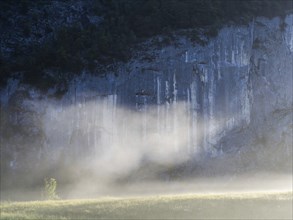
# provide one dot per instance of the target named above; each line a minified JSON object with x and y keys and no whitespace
{"x":50,"y":188}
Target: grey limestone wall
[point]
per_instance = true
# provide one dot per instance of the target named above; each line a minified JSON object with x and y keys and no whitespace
{"x":232,"y":91}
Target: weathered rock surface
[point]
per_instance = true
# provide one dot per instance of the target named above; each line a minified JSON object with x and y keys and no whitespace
{"x":232,"y":96}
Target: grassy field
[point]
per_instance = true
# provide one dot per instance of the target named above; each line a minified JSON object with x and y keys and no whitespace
{"x":188,"y":206}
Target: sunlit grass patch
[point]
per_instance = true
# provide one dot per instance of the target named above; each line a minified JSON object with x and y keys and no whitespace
{"x":251,"y":205}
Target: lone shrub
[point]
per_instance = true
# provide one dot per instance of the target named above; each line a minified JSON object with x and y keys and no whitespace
{"x":50,"y":188}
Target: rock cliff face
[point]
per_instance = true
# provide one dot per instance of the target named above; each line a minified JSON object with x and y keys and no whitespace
{"x":190,"y":102}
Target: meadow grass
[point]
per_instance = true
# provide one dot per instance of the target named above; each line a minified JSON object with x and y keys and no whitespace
{"x":186,"y":206}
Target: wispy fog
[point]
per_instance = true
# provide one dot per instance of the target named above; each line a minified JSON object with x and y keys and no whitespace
{"x":114,"y":141}
{"x":97,"y":148}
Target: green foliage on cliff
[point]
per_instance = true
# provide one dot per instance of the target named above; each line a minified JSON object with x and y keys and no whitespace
{"x":124,"y":23}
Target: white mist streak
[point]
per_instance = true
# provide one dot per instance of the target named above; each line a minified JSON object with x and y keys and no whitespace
{"x":114,"y":141}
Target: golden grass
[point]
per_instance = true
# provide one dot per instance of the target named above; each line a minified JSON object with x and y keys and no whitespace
{"x":260,"y":205}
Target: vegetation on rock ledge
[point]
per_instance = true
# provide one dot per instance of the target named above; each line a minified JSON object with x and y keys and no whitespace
{"x":84,"y":44}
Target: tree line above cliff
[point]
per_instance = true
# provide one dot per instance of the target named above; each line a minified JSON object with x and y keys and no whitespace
{"x":121,"y":24}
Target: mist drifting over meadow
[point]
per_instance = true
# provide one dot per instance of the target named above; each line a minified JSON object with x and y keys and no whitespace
{"x":98,"y":148}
